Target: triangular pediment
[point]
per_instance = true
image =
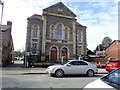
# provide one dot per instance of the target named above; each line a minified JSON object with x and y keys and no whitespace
{"x":59,"y":8}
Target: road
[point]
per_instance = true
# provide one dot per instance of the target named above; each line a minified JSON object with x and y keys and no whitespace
{"x":17,"y":77}
{"x":45,"y":81}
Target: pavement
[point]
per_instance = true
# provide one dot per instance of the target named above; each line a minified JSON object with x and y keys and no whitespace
{"x":17,"y":69}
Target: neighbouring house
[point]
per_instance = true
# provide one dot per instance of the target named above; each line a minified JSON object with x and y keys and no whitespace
{"x":55,"y":34}
{"x":6,"y":44}
{"x":113,"y":50}
{"x":101,"y":53}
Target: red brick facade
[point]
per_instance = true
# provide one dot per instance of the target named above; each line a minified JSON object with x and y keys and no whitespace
{"x":6,"y":44}
{"x":113,"y":51}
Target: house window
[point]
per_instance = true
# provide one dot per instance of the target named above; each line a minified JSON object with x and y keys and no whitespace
{"x":59,"y":32}
{"x":52,"y":32}
{"x":35,"y":31}
{"x":66,"y":34}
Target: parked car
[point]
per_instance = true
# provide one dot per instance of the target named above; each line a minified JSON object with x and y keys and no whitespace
{"x":73,"y":67}
{"x":110,"y":81}
{"x":112,"y":65}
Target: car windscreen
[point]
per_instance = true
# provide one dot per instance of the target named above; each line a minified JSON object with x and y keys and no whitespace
{"x":113,"y":61}
{"x":113,"y":78}
{"x":65,"y":62}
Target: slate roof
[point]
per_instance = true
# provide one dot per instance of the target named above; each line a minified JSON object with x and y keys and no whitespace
{"x":36,"y":16}
{"x":61,"y":6}
{"x":78,"y":24}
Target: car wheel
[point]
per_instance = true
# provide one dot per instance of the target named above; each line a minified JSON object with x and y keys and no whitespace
{"x":90,"y":73}
{"x":59,"y":73}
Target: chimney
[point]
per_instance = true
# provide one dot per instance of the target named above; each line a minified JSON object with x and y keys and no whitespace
{"x":9,"y":23}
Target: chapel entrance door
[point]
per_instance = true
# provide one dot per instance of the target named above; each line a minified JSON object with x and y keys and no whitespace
{"x":53,"y":54}
{"x":65,"y":54}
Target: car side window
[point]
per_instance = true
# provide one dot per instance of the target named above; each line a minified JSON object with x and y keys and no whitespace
{"x":74,"y":63}
{"x":78,"y":63}
{"x":82,"y":63}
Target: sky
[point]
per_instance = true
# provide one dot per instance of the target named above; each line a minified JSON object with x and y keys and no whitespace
{"x":99,"y":16}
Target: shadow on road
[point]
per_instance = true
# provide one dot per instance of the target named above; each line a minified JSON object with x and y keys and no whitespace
{"x":16,"y":64}
{"x":82,"y":76}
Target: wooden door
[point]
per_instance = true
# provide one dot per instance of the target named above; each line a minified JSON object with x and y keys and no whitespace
{"x":53,"y":54}
{"x":65,"y":54}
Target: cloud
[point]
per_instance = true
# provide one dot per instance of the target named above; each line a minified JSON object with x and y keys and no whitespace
{"x":99,"y":24}
{"x":18,"y":12}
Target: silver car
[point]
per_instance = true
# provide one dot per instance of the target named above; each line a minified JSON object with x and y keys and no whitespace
{"x":73,"y":67}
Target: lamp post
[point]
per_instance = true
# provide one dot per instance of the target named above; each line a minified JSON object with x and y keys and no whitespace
{"x":0,"y":33}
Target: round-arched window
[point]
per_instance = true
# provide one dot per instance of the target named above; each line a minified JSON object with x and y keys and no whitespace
{"x":59,"y":32}
{"x":35,"y":31}
{"x":52,"y":32}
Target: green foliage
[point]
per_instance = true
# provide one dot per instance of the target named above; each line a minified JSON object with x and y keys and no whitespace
{"x":106,"y":42}
{"x":19,"y":53}
{"x":41,"y":63}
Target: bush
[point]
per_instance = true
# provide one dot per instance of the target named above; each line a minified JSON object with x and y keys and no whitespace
{"x":41,"y":64}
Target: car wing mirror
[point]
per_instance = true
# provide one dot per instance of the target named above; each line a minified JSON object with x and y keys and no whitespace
{"x":68,"y":64}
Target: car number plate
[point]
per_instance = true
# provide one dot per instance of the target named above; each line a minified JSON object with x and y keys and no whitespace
{"x":109,"y":65}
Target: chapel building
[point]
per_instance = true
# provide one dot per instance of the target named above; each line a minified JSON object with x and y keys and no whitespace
{"x":55,"y":35}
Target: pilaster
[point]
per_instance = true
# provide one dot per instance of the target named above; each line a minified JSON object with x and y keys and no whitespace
{"x":74,"y":37}
{"x":43,"y":37}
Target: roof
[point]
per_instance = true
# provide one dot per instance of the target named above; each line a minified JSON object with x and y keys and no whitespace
{"x":112,"y":43}
{"x":54,"y":9}
{"x":36,"y":16}
{"x":5,"y":27}
{"x":78,"y":24}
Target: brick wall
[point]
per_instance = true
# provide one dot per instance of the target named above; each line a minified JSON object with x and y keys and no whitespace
{"x":113,"y":51}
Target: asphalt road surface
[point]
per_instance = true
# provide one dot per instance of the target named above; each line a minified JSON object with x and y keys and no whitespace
{"x":45,"y":81}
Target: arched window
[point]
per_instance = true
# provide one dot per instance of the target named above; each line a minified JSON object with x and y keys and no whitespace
{"x":66,"y":34}
{"x":52,"y":32}
{"x":59,"y":32}
{"x":35,"y":31}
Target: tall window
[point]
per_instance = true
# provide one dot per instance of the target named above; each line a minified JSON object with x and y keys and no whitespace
{"x":34,"y":47}
{"x":79,"y":37}
{"x":59,"y":32}
{"x":35,"y":31}
{"x":52,"y":32}
{"x":80,"y":50}
{"x":66,"y":34}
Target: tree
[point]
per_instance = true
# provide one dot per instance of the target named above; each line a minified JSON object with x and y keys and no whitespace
{"x":19,"y":53}
{"x":106,"y":42}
